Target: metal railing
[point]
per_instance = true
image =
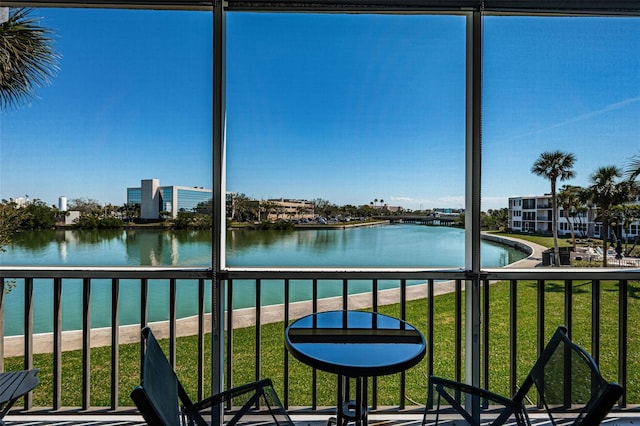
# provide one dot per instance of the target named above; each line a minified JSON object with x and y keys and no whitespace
{"x":595,"y":305}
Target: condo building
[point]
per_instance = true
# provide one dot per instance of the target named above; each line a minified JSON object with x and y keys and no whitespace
{"x":535,"y":214}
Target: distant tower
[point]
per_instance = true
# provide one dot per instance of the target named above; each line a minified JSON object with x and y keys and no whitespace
{"x":62,"y":204}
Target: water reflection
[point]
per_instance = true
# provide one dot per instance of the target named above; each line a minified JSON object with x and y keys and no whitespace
{"x":383,"y":246}
{"x":147,"y":247}
{"x":38,"y":240}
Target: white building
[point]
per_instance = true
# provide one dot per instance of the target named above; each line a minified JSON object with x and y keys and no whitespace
{"x":534,"y":214}
{"x":20,"y":201}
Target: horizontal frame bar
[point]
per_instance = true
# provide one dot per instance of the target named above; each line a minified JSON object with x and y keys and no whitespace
{"x":551,"y":7}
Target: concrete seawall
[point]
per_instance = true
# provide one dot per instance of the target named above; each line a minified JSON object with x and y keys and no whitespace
{"x":533,"y":250}
{"x":72,"y":340}
{"x":511,"y":242}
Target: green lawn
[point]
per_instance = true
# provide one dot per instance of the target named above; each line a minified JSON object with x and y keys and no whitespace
{"x":538,"y":239}
{"x":273,"y":351}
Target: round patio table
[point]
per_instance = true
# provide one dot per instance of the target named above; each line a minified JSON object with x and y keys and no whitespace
{"x":354,"y":344}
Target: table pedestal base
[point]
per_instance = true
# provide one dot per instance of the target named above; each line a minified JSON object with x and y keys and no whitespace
{"x":349,"y":410}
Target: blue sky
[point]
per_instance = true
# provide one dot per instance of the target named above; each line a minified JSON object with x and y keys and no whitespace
{"x":348,"y":108}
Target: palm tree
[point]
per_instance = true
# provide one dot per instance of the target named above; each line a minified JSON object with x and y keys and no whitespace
{"x":27,"y":57}
{"x":569,"y":199}
{"x":623,"y":215}
{"x":553,"y":166}
{"x":606,"y":192}
{"x":27,"y":61}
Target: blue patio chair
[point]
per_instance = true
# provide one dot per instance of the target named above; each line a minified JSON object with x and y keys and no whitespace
{"x":567,"y":381}
{"x":163,"y":401}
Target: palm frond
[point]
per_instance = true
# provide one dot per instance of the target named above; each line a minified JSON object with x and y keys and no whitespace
{"x":633,"y":168}
{"x":28,"y":59}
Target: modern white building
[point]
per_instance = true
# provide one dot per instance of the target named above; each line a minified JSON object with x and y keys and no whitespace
{"x":154,"y":198}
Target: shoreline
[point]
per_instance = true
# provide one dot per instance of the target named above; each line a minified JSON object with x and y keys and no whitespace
{"x":130,"y":333}
{"x":168,"y":227}
{"x":316,"y":226}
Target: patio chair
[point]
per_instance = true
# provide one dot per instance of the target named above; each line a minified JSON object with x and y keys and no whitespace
{"x":13,"y":386}
{"x":565,"y":376}
{"x":162,"y":400}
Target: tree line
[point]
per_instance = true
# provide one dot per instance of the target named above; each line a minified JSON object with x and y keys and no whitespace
{"x":36,"y":214}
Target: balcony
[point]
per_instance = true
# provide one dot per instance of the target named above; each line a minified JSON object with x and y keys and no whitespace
{"x":586,"y":297}
{"x":513,"y":310}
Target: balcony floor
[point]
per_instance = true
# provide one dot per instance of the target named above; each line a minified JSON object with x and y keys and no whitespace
{"x":618,"y":419}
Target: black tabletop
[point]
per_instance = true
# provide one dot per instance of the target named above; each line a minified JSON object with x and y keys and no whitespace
{"x":354,"y":343}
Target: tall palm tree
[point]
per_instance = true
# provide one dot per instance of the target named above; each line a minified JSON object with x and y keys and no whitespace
{"x":605,"y":191}
{"x":569,"y":200}
{"x":27,"y":57}
{"x":554,"y":165}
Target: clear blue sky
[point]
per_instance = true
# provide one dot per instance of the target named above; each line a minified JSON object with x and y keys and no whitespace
{"x":348,"y":108}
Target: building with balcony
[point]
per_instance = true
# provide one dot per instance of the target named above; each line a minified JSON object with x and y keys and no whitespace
{"x":530,"y":214}
{"x":534,"y":214}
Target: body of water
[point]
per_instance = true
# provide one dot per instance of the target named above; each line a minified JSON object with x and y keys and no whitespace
{"x":377,"y":246}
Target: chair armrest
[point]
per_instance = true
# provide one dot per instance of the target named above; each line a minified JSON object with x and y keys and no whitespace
{"x":473,"y":390}
{"x":259,"y":390}
{"x":451,"y":391}
{"x":229,"y":393}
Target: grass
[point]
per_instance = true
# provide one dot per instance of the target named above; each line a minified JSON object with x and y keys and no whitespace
{"x":543,"y":240}
{"x":272,"y":350}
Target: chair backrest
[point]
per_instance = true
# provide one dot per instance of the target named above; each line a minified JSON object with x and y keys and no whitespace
{"x":569,"y":382}
{"x":157,"y":397}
